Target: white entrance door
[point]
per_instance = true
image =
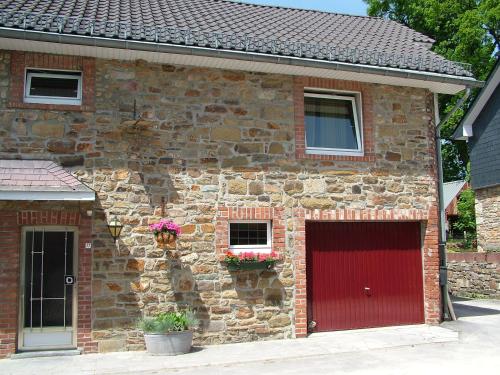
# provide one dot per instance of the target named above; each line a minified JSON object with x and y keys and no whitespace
{"x":48,"y":288}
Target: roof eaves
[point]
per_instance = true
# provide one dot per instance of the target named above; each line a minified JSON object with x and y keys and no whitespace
{"x":236,"y":55}
{"x":464,"y":129}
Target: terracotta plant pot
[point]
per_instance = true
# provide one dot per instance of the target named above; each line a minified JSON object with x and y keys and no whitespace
{"x":164,"y":238}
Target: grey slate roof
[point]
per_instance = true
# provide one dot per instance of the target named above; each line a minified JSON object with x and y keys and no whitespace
{"x":37,"y":176}
{"x":223,"y":24}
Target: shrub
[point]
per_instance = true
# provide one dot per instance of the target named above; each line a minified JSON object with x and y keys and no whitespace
{"x":168,"y":322}
{"x":466,"y":212}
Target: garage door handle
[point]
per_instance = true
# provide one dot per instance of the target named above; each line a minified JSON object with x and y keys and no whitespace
{"x":368,"y":291}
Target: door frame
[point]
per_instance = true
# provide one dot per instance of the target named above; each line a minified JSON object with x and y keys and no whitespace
{"x":22,"y":281}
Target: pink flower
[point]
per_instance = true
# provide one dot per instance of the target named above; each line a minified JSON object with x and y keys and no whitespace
{"x":165,"y":225}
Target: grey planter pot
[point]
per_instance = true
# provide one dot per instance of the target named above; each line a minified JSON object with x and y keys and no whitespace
{"x":173,"y":343}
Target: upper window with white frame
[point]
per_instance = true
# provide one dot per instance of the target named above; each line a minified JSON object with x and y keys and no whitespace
{"x":53,"y":87}
{"x":333,"y":123}
{"x":251,"y":235}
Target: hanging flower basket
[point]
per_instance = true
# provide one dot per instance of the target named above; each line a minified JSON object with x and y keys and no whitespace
{"x":165,"y":231}
{"x":250,"y":261}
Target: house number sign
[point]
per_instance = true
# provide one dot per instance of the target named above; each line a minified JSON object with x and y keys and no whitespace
{"x":69,"y":279}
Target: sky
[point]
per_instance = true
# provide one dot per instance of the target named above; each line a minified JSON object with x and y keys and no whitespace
{"x":357,"y":7}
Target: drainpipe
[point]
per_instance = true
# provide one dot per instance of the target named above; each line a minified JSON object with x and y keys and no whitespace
{"x":443,"y":269}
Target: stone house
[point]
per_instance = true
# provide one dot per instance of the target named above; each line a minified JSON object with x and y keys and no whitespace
{"x":242,"y":126}
{"x":480,"y":127}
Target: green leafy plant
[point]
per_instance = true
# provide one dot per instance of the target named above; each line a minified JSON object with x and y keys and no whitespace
{"x":166,"y":322}
{"x":250,"y":257}
{"x":466,"y":212}
{"x":467,"y":31}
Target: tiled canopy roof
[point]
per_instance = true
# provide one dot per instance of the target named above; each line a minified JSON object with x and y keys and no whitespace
{"x":223,"y":24}
{"x":37,"y":176}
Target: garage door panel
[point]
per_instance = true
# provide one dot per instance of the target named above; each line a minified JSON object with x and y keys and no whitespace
{"x":343,"y":259}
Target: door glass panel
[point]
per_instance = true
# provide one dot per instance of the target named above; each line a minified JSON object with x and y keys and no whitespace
{"x":33,"y":264}
{"x":53,"y":311}
{"x":49,"y":257}
{"x":33,"y":314}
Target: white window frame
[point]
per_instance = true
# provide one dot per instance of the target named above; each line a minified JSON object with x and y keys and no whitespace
{"x":46,"y":73}
{"x":263,"y":249}
{"x":355,"y":99}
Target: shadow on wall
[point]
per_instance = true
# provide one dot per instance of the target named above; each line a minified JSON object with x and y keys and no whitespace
{"x":258,"y":288}
{"x":133,"y":276}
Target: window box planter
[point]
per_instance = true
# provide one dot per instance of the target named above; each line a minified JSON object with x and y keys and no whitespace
{"x":249,"y":266}
{"x":250,"y":261}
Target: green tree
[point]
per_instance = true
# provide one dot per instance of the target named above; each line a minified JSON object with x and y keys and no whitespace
{"x":466,"y":221}
{"x":463,"y":30}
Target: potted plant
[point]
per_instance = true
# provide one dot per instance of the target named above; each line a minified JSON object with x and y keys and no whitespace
{"x":168,"y":333}
{"x":250,"y":260}
{"x":165,"y":231}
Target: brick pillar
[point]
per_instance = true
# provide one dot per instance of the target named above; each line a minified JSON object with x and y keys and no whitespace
{"x":84,"y":284}
{"x":432,"y":290}
{"x":9,"y":280}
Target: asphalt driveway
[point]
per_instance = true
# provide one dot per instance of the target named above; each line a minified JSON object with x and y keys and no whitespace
{"x":470,"y":345}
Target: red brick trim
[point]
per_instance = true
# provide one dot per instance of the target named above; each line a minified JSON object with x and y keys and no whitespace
{"x":11,"y":223}
{"x":366,"y":215}
{"x":48,"y":218}
{"x":225,"y":214}
{"x":367,"y":115}
{"x":10,"y":235}
{"x":84,"y":324}
{"x":22,"y":60}
{"x":430,"y":254}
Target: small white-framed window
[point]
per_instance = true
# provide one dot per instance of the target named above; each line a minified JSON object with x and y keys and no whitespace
{"x":53,"y":87}
{"x":333,"y":124}
{"x":250,"y":235}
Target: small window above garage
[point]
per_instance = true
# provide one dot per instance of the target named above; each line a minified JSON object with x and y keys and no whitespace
{"x":53,"y":87}
{"x":250,"y":236}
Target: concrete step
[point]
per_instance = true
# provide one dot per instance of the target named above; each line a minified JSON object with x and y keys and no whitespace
{"x":46,"y":353}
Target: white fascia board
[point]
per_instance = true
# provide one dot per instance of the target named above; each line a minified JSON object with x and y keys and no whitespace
{"x":477,"y":107}
{"x":463,"y":132}
{"x":14,"y":195}
{"x":245,"y":65}
{"x":467,"y":131}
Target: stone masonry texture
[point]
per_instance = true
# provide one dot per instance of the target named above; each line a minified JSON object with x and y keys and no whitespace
{"x":474,"y":274}
{"x":488,"y":218}
{"x":205,"y":141}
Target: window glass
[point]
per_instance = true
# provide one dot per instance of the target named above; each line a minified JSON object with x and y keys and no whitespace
{"x":54,"y":86}
{"x":330,"y":123}
{"x":248,"y":234}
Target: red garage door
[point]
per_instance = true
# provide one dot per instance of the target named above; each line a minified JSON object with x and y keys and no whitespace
{"x":364,"y":274}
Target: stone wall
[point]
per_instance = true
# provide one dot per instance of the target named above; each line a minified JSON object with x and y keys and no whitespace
{"x":488,"y":218}
{"x":474,"y":274}
{"x":205,"y":138}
